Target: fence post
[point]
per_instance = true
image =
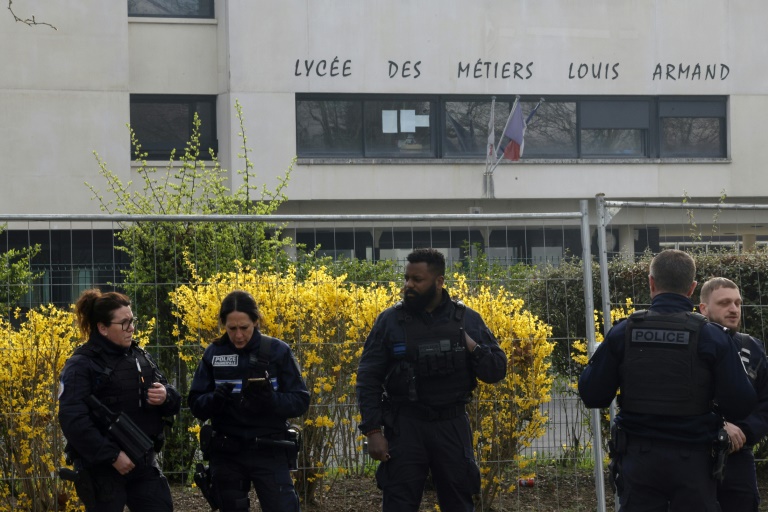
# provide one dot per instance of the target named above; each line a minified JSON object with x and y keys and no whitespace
{"x":589,"y":307}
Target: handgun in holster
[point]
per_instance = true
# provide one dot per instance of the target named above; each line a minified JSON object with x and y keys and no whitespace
{"x":720,"y":453}
{"x":202,"y":478}
{"x":617,"y":447}
{"x":123,"y":431}
{"x":84,"y":486}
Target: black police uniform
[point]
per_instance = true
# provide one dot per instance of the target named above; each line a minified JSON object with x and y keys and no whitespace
{"x":119,"y":377}
{"x":421,"y":362}
{"x":236,"y":459}
{"x":738,"y":491}
{"x":671,"y":365}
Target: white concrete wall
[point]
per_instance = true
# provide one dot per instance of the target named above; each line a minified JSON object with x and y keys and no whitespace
{"x":65,"y":93}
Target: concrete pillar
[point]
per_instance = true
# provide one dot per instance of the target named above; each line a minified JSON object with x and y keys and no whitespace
{"x":627,"y":242}
{"x":748,"y":242}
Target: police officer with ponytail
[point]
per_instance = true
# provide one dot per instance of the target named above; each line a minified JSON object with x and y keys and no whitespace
{"x":678,"y":375}
{"x":112,"y":369}
{"x":248,"y":385}
{"x":419,"y":366}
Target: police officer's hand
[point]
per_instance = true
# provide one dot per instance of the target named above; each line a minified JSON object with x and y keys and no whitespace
{"x":157,"y":394}
{"x":737,"y":436}
{"x":257,"y":397}
{"x":378,"y":447}
{"x":123,"y":463}
{"x":221,"y":396}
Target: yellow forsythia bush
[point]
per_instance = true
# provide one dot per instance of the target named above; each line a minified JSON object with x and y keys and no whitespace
{"x":508,"y":416}
{"x":31,"y":443}
{"x":326,"y":319}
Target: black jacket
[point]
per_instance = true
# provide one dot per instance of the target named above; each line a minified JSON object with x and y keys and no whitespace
{"x":222,"y":361}
{"x":733,"y":392}
{"x":489,"y":362}
{"x":83,"y":375}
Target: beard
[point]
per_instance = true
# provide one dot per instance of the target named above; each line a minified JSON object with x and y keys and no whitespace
{"x":419,"y":301}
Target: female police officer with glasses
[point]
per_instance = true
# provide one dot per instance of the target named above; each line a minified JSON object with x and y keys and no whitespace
{"x":109,"y":375}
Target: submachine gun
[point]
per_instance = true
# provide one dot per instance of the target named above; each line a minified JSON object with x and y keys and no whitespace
{"x":121,"y":428}
{"x":123,"y":431}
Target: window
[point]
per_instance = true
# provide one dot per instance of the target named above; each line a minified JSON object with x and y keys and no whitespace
{"x":465,"y":131}
{"x":332,"y":128}
{"x":398,"y":128}
{"x":692,"y":128}
{"x":365,"y":127}
{"x":163,"y":123}
{"x":453,"y":127}
{"x":614,"y":128}
{"x":171,"y":8}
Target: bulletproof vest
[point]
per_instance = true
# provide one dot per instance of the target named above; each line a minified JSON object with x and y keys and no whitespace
{"x":121,"y":383}
{"x":432,"y":365}
{"x":662,"y":372}
{"x":745,"y":352}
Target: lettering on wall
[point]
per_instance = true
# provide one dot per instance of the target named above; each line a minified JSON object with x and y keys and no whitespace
{"x":407,"y":69}
{"x":323,"y":67}
{"x":688,"y":72}
{"x":484,"y":69}
{"x":583,"y":71}
{"x":489,"y":69}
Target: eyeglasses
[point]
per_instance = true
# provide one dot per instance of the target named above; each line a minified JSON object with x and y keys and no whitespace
{"x":127,"y":323}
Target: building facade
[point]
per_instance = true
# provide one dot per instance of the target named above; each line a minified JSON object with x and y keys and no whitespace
{"x":387,"y":105}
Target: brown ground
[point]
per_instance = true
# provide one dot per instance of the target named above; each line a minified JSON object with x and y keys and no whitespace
{"x":555,"y":490}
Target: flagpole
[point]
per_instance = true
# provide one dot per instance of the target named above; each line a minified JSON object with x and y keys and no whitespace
{"x":490,"y":146}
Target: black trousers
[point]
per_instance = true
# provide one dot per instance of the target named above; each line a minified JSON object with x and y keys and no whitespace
{"x":662,"y":476}
{"x":738,"y":491}
{"x":266,"y":467}
{"x":144,"y":489}
{"x":418,"y":446}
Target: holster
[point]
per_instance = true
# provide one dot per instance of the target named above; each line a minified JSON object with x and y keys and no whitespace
{"x":206,"y":434}
{"x":617,"y":447}
{"x":202,"y":479}
{"x":720,"y":453}
{"x":84,"y":485}
{"x":293,"y":434}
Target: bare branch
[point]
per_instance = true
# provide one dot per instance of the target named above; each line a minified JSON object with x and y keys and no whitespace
{"x":27,"y":21}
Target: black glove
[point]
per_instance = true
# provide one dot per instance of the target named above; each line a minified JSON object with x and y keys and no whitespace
{"x":257,"y":394}
{"x":221,"y":396}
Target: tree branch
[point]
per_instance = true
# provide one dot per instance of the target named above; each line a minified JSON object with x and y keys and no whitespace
{"x":27,"y":21}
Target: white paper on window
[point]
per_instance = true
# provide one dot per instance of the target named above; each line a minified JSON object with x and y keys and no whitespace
{"x":389,"y":121}
{"x":407,"y":121}
{"x":422,"y":121}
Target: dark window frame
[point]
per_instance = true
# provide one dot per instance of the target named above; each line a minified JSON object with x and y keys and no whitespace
{"x":209,"y":12}
{"x":189,"y":100}
{"x":645,"y":114}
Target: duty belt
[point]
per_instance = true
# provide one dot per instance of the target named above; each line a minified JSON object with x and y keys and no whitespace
{"x":427,"y":413}
{"x":228,"y":442}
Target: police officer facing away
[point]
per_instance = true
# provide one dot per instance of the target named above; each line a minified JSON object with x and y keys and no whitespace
{"x":122,"y":376}
{"x":671,"y":366}
{"x":721,"y":303}
{"x":248,"y":384}
{"x":419,"y":366}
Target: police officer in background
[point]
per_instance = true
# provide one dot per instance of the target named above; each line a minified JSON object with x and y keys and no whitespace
{"x":122,"y":376}
{"x":248,"y":385}
{"x":721,"y":303}
{"x":425,"y":354}
{"x":671,"y":366}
